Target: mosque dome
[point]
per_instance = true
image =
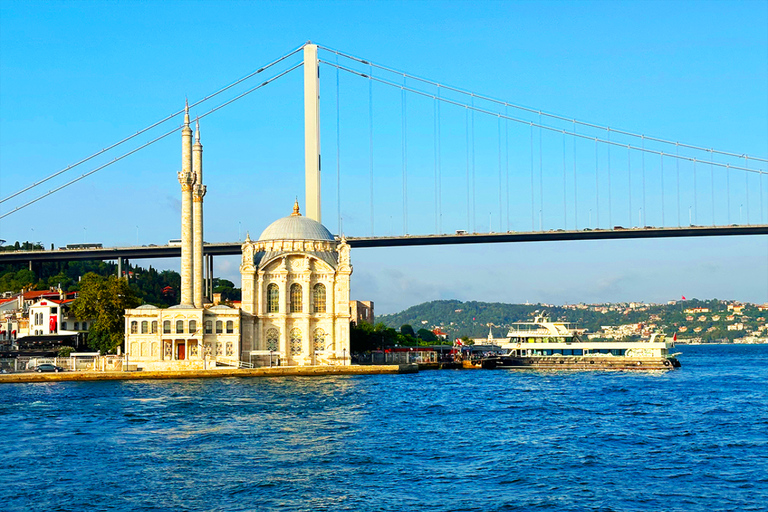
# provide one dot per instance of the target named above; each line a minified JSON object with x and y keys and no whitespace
{"x":296,"y":227}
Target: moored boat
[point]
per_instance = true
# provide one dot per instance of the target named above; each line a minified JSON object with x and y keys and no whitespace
{"x":547,"y":345}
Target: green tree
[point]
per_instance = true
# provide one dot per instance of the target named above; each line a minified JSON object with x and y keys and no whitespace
{"x":103,"y":301}
{"x":65,"y":351}
{"x":427,"y":335}
{"x":406,"y":330}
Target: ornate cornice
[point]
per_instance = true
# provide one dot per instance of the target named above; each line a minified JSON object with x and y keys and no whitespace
{"x":187,"y":180}
{"x":198,"y":192}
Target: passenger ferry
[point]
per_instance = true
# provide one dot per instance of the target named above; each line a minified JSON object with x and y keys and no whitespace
{"x":543,"y":344}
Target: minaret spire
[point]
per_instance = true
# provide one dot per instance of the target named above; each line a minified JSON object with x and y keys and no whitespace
{"x":198,"y":192}
{"x":187,"y":181}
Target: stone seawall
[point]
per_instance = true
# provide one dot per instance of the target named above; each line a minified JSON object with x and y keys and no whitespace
{"x":280,"y":371}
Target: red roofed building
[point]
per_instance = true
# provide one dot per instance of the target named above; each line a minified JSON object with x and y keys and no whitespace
{"x":441,"y":335}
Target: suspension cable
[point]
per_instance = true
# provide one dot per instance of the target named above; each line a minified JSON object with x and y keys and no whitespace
{"x":545,"y":127}
{"x":153,"y":125}
{"x":370,"y":140}
{"x":746,"y":186}
{"x":712,"y":187}
{"x":541,"y":179}
{"x":695,"y":197}
{"x":532,"y":110}
{"x":474,"y":196}
{"x":533,"y":208}
{"x":661,"y":160}
{"x":677,"y":170}
{"x":405,"y":160}
{"x":610,"y":213}
{"x":434,"y":144}
{"x":728,"y":191}
{"x":338,"y":154}
{"x":597,"y":190}
{"x":156,"y":139}
{"x":575,"y":188}
{"x":629,"y":187}
{"x":506,"y":156}
{"x":644,"y":223}
{"x":439,"y":171}
{"x":501,"y":183}
{"x":466,"y":129}
{"x":565,"y":199}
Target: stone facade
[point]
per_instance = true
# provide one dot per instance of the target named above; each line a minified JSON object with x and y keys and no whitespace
{"x":295,"y":285}
{"x":180,"y":338}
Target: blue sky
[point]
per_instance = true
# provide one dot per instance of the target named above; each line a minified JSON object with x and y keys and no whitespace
{"x":76,"y":77}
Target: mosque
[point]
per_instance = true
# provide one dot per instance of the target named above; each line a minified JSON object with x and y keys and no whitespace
{"x":295,"y":294}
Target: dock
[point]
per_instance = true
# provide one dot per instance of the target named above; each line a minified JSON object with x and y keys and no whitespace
{"x":277,"y":371}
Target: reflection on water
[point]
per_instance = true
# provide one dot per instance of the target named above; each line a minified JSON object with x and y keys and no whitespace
{"x":692,"y":439}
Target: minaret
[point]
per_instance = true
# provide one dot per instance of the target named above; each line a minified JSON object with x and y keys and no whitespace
{"x":187,"y":181}
{"x":198,"y":193}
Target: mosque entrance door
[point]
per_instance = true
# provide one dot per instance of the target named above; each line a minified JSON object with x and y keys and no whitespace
{"x":180,"y":351}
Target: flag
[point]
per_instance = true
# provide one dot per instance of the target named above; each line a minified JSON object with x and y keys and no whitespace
{"x":674,"y":338}
{"x":684,"y":297}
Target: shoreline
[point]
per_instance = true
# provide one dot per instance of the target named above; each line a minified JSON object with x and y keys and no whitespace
{"x":279,"y":371}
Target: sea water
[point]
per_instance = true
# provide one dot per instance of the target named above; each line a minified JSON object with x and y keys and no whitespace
{"x":693,"y":439}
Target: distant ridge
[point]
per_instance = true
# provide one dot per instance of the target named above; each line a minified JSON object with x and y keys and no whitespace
{"x":473,"y":318}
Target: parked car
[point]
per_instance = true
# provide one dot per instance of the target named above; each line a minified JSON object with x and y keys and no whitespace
{"x":48,"y":367}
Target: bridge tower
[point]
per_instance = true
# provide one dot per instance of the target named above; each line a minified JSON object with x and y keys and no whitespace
{"x":312,"y":133}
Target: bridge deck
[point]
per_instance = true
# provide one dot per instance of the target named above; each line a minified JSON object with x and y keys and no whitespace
{"x":233,"y":248}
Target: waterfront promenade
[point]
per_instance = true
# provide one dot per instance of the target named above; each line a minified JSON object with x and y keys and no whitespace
{"x":277,"y":371}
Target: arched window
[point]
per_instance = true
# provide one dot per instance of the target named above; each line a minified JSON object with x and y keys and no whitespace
{"x":85,"y":326}
{"x":167,"y":327}
{"x":273,"y":298}
{"x":134,"y":327}
{"x":319,"y":298}
{"x":273,"y":336}
{"x":192,"y":326}
{"x":296,"y":341}
{"x":154,"y":326}
{"x":144,"y":326}
{"x":219,"y":327}
{"x":209,"y":327}
{"x":230,"y":327}
{"x":179,"y":326}
{"x":296,"y":298}
{"x":319,"y":340}
{"x":77,"y":326}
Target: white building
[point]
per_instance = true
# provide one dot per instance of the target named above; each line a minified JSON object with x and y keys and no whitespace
{"x":52,"y":316}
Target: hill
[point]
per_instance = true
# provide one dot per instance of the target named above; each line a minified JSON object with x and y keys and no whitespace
{"x":709,"y":320}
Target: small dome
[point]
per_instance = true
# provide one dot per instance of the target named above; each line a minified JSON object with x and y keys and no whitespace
{"x":296,"y":227}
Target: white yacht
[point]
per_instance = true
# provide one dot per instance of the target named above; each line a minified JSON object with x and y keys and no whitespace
{"x":544,"y":344}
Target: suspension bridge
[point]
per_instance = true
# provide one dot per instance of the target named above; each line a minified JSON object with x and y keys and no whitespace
{"x":437,"y":160}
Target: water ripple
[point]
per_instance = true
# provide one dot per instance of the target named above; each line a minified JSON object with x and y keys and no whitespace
{"x":693,"y":439}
